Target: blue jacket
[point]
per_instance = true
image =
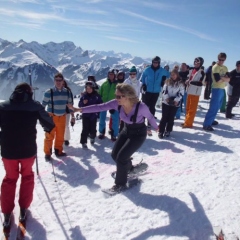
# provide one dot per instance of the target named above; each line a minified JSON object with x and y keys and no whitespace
{"x":153,"y":78}
{"x":93,"y":98}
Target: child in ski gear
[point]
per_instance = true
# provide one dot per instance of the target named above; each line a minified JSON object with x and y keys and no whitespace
{"x":132,"y":113}
{"x":233,"y":90}
{"x":56,"y":99}
{"x":194,"y":88}
{"x":172,"y":93}
{"x":133,"y":81}
{"x":69,"y":114}
{"x":18,"y":120}
{"x":89,"y":120}
{"x":220,"y":77}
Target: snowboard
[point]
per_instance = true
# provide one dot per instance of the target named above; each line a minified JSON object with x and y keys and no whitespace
{"x":137,"y":170}
{"x":130,"y":183}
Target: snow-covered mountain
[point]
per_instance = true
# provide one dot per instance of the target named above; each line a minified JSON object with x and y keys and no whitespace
{"x":44,"y":60}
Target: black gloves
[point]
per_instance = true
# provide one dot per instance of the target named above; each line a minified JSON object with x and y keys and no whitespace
{"x":144,"y":87}
{"x":112,"y":111}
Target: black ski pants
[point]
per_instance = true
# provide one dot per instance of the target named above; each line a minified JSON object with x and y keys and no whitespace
{"x":167,"y":120}
{"x":129,"y":141}
{"x":232,"y":101}
{"x":150,"y":100}
{"x":89,"y":126}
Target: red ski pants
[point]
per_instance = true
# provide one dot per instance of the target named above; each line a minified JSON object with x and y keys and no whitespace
{"x":8,"y":188}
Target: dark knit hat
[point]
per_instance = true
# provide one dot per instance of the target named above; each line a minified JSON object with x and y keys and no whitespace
{"x":23,"y":87}
{"x":156,"y":59}
{"x":237,"y":63}
{"x":22,"y":93}
{"x":199,"y":59}
{"x":133,"y":69}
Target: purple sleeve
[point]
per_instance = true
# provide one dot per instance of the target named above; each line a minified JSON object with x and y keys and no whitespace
{"x":147,"y":114}
{"x":101,"y":107}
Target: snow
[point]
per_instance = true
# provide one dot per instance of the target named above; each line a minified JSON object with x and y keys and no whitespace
{"x":191,"y":186}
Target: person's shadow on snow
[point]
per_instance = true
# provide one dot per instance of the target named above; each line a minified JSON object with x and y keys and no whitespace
{"x":184,"y":222}
{"x":82,"y":175}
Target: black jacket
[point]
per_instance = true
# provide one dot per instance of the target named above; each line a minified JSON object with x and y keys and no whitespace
{"x":235,"y":83}
{"x":18,"y":120}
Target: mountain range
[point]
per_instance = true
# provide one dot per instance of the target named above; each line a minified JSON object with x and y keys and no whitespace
{"x":37,"y":63}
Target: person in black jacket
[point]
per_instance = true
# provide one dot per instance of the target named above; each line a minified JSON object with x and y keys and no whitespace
{"x":233,"y":90}
{"x":208,"y":82}
{"x":89,"y":120}
{"x":18,"y":120}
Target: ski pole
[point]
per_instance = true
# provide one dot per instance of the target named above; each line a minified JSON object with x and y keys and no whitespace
{"x":55,"y":180}
{"x":37,"y":165}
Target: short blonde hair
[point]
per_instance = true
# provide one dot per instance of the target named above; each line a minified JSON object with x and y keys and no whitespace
{"x":128,"y":91}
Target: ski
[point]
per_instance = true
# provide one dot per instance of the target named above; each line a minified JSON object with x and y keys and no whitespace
{"x":136,"y":170}
{"x":6,"y":233}
{"x":131,"y":183}
{"x":21,"y":230}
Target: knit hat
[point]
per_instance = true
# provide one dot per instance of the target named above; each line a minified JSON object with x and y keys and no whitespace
{"x":199,"y":59}
{"x":133,"y":69}
{"x":23,"y":87}
{"x":237,"y":63}
{"x":22,"y":93}
{"x":156,"y":59}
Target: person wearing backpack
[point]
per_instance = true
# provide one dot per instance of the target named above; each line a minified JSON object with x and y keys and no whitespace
{"x":56,"y":99}
{"x":133,"y":113}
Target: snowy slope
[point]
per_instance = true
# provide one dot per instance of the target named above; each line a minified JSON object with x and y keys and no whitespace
{"x":190,"y":187}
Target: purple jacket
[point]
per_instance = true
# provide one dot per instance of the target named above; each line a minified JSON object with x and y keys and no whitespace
{"x":143,"y":112}
{"x":93,"y":98}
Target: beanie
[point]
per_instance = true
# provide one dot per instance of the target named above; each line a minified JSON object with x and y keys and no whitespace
{"x":156,"y":59}
{"x":133,"y":70}
{"x":237,"y":63}
{"x":23,"y":87}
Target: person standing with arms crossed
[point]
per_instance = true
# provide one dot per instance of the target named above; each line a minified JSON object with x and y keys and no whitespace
{"x":220,"y":77}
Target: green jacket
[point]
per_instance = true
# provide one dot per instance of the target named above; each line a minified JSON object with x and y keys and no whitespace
{"x":107,"y":90}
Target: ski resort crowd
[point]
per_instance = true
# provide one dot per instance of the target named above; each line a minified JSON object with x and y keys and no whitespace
{"x":131,"y":103}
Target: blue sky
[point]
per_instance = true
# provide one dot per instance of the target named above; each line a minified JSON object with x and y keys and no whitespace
{"x":177,"y":30}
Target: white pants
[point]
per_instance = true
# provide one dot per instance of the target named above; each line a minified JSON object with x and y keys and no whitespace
{"x":67,"y":135}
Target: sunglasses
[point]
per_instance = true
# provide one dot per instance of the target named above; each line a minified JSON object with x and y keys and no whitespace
{"x":119,"y":96}
{"x":221,"y":60}
{"x":155,"y":62}
{"x":196,"y":61}
{"x":58,"y":80}
{"x":132,"y":73}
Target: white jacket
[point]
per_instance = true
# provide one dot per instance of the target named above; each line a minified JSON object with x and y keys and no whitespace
{"x":136,"y":84}
{"x":176,"y":91}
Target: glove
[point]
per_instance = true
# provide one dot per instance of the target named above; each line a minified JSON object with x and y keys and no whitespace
{"x":112,"y":111}
{"x":72,"y":122}
{"x":144,"y":87}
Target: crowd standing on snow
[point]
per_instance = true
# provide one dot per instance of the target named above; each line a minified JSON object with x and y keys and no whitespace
{"x":176,"y":92}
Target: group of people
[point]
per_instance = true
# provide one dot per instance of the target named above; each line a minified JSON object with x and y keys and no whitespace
{"x":121,"y":97}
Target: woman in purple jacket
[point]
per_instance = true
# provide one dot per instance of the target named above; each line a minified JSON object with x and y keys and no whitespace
{"x":89,"y":120}
{"x":133,"y":114}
